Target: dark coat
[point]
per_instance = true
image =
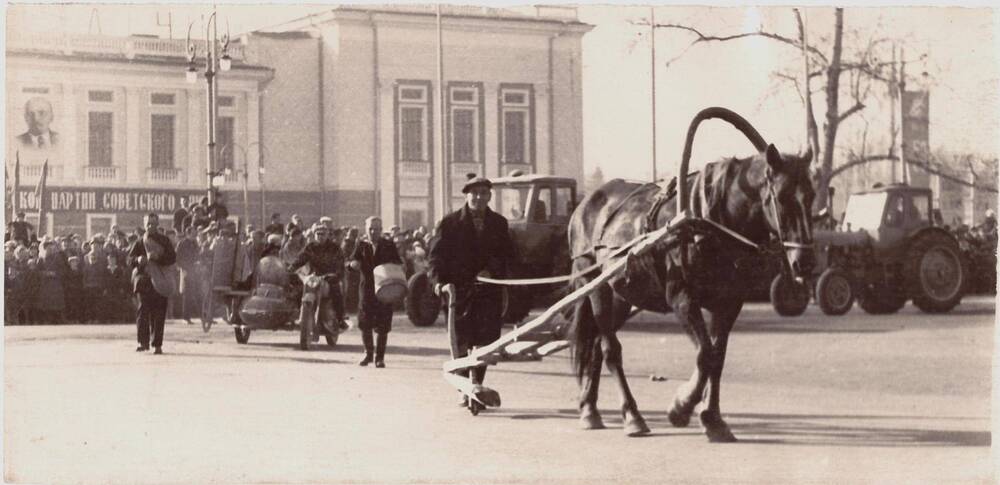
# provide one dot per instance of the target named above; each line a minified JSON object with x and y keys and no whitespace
{"x":384,"y":252}
{"x":458,"y":255}
{"x":140,"y":279}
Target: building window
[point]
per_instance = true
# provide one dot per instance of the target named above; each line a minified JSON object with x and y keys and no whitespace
{"x":227,"y":101}
{"x":162,"y":141}
{"x":224,"y":140}
{"x":517,"y":119}
{"x":464,"y":125}
{"x":413,"y":124}
{"x":100,"y":96}
{"x":99,"y":138}
{"x":161,"y":99}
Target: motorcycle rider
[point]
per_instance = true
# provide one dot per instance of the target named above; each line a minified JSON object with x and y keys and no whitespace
{"x":325,"y":259}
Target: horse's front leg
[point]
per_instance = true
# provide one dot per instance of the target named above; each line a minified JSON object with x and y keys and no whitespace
{"x":690,"y":393}
{"x":610,"y":313}
{"x":711,"y":418}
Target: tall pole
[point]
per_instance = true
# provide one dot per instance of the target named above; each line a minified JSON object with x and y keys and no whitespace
{"x":902,"y":92}
{"x":652,"y":68}
{"x":210,"y":54}
{"x":443,"y":195}
{"x":260,"y":180}
{"x":893,"y":91}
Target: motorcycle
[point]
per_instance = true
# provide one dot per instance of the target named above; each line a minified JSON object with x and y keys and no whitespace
{"x":275,"y":301}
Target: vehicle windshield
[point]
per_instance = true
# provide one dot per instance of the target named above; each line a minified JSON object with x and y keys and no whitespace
{"x":864,"y":211}
{"x":511,"y":201}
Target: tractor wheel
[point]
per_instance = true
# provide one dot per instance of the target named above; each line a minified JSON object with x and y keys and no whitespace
{"x":422,"y":305}
{"x":934,"y":272}
{"x":788,"y":297}
{"x":881,"y":299}
{"x":834,"y":293}
{"x":242,"y":334}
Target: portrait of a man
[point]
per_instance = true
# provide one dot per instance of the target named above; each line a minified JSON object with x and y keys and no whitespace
{"x":38,"y":115}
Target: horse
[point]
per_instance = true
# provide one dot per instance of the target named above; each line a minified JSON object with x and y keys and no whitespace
{"x":756,"y":199}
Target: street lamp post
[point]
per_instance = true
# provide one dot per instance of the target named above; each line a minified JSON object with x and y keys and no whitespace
{"x":213,"y":63}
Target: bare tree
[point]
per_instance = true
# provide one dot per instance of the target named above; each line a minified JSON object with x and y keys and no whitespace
{"x":850,"y":70}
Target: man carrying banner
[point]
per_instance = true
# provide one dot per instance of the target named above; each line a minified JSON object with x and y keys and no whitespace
{"x":150,"y":258}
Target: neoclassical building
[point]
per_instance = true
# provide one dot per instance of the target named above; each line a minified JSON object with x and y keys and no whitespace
{"x":341,"y":109}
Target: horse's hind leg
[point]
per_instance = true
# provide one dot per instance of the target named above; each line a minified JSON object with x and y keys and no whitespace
{"x":589,"y":358}
{"x":711,"y":418}
{"x":610,"y":313}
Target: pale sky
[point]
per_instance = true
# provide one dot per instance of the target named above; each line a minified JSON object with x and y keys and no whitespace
{"x":962,"y":61}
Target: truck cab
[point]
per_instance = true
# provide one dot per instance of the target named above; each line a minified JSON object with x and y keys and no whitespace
{"x":537,"y":208}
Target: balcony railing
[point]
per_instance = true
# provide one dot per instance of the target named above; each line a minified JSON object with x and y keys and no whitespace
{"x":163,"y":174}
{"x":101,"y":173}
{"x":129,"y":47}
{"x":31,"y":173}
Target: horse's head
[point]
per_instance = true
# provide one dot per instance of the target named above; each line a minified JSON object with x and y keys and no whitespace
{"x":787,"y":197}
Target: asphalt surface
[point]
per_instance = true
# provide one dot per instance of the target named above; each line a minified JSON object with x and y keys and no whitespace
{"x":903,"y":398}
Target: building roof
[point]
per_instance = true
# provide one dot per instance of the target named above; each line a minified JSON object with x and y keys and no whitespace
{"x":552,"y":15}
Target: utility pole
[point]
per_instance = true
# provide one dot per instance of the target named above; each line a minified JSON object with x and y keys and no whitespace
{"x":892,"y":114}
{"x":444,"y":196}
{"x":652,"y":68}
{"x":902,"y":92}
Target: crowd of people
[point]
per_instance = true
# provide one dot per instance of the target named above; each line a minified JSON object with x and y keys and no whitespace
{"x":72,"y":279}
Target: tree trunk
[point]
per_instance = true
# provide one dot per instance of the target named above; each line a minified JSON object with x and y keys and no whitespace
{"x":832,"y":113}
{"x":812,"y":131}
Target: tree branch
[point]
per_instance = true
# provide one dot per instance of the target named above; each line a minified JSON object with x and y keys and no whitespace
{"x":760,"y":33}
{"x":921,"y":164}
{"x":858,"y":106}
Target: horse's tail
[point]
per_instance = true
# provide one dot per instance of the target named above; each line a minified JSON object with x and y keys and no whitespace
{"x":583,"y":332}
{"x":724,"y":114}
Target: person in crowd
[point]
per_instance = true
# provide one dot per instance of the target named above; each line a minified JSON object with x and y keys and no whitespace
{"x":73,"y":289}
{"x":51,"y":301}
{"x":177,"y":223}
{"x":21,"y":230}
{"x":294,"y":222}
{"x":472,"y":241}
{"x":95,"y":285}
{"x":275,"y":227}
{"x":187,"y":256}
{"x":148,"y":257}
{"x":352,"y":278}
{"x":373,"y":315}
{"x":324,"y":258}
{"x":218,"y":210}
{"x":293,"y":246}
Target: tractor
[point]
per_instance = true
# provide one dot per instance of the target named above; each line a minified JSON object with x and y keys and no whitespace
{"x":889,"y":250}
{"x":537,"y":208}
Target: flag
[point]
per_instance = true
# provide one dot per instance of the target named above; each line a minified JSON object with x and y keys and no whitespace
{"x":40,"y":190}
{"x":17,"y":183}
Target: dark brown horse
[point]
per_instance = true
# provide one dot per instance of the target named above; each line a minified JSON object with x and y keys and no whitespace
{"x":767,"y":196}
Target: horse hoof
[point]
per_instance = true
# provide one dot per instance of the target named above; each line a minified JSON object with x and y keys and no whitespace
{"x":716,"y":429}
{"x":679,"y":419}
{"x":591,"y":420}
{"x":635,"y":427}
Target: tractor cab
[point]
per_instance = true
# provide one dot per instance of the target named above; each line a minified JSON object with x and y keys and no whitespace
{"x":888,"y":214}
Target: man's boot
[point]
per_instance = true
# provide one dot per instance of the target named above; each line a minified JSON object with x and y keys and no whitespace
{"x":382,"y":339}
{"x":366,"y":339}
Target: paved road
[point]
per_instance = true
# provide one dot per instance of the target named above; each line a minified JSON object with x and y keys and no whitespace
{"x":857,"y":399}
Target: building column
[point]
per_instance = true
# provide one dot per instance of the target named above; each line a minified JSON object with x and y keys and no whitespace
{"x":133,"y":165}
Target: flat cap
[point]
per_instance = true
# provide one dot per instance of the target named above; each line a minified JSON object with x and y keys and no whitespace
{"x":475,"y":181}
